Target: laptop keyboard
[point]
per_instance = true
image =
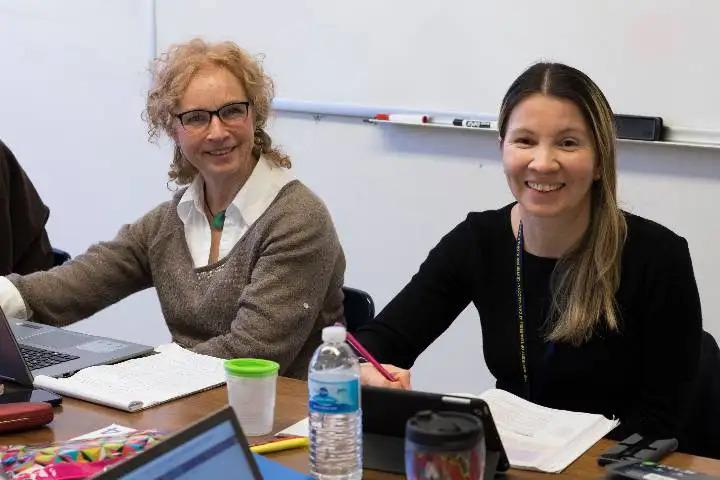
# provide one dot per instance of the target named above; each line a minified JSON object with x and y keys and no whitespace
{"x":39,"y":358}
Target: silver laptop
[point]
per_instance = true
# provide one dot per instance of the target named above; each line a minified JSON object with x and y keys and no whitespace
{"x":57,"y":352}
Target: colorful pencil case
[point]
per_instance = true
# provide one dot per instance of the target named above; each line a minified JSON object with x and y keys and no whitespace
{"x":52,"y":461}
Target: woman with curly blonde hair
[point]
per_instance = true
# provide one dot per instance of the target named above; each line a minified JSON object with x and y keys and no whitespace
{"x":245,"y":259}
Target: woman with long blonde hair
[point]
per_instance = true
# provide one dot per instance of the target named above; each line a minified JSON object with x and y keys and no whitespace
{"x":583,"y":306}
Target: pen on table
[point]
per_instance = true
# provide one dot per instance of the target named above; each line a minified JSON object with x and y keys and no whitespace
{"x":365,"y":354}
{"x":464,"y":122}
{"x":279,"y":445}
{"x":403,"y":117}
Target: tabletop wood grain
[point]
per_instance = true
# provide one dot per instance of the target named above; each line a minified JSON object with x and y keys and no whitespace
{"x":76,"y":417}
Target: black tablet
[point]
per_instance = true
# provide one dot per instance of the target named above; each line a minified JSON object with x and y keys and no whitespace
{"x":386,"y":411}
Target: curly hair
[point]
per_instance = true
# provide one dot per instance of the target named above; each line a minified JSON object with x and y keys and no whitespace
{"x":172,"y":72}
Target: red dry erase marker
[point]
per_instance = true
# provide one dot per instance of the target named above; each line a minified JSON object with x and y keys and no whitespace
{"x":416,"y":118}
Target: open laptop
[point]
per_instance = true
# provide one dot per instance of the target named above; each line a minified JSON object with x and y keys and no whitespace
{"x":214,"y":447}
{"x":386,"y":411}
{"x":14,"y":368}
{"x":57,"y":352}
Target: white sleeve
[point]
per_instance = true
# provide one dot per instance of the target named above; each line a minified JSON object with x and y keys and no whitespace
{"x":11,"y":301}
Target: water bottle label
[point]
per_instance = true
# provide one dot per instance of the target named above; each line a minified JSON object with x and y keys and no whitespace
{"x":334,"y":397}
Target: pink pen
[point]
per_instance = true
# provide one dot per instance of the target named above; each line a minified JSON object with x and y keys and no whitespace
{"x":365,"y":354}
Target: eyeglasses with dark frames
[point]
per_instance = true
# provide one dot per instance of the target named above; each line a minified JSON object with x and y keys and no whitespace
{"x":195,"y":121}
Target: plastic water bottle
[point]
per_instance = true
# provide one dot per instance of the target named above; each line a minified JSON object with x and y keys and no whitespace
{"x":335,"y":415}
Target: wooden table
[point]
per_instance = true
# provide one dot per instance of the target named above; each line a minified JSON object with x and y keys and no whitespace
{"x":76,"y":417}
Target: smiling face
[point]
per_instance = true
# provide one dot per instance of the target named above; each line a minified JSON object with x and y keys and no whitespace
{"x":549,"y":157}
{"x":221,"y":152}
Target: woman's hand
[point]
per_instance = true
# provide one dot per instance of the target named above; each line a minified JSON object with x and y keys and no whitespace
{"x":370,"y":376}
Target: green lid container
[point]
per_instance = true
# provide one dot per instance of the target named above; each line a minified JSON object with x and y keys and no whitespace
{"x":251,"y":367}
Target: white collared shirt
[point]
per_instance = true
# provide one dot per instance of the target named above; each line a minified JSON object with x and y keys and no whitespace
{"x":259,"y":191}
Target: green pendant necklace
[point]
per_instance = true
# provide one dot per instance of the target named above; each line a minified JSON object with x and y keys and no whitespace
{"x":218,"y":219}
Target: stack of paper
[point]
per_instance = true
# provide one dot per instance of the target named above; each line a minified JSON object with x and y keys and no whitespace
{"x":541,"y":438}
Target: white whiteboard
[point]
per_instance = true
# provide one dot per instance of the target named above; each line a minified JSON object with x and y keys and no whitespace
{"x":650,"y":57}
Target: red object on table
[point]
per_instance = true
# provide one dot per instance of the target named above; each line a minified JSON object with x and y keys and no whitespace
{"x":19,"y":416}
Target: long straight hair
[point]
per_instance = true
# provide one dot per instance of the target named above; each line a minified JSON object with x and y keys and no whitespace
{"x":585,"y":279}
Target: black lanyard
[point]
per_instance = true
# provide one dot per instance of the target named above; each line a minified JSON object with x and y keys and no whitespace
{"x":521,"y":307}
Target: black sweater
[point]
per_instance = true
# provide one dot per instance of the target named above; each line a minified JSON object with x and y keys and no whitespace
{"x":24,"y":244}
{"x":637,"y":373}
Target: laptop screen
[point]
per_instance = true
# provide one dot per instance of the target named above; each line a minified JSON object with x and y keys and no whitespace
{"x":212,"y":454}
{"x":214,"y":447}
{"x":12,"y":365}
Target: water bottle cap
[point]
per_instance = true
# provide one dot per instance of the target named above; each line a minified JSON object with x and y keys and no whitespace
{"x":335,"y":334}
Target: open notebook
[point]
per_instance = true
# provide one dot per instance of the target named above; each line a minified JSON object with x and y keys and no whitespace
{"x":541,"y":438}
{"x":136,"y":384}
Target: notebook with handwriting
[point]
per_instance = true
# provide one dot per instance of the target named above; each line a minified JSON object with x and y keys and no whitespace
{"x":140,"y":383}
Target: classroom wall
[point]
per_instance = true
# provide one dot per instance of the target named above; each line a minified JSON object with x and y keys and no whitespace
{"x":393,"y":191}
{"x":650,"y":56}
{"x":72,"y":88}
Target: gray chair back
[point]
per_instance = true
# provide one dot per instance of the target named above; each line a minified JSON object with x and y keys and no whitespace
{"x":702,"y":416}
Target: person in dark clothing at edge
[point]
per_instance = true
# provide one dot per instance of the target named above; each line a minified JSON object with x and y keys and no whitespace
{"x":24,"y":243}
{"x":583,"y":306}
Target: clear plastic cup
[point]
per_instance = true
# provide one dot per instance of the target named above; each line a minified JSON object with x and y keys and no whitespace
{"x":251,"y":393}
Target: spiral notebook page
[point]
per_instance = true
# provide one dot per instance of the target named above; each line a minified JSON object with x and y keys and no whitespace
{"x":140,"y":383}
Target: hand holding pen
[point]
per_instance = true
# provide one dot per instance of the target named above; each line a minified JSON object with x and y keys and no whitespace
{"x":369,"y":375}
{"x":376,"y":374}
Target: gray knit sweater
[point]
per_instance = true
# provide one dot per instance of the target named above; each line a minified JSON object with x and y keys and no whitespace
{"x":268,"y":298}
